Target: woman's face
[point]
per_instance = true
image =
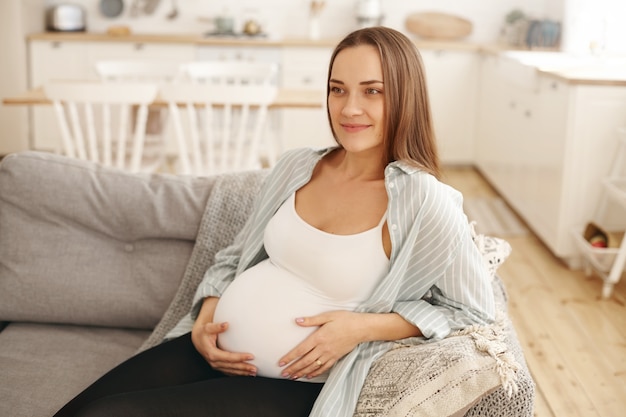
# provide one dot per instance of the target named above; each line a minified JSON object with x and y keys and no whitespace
{"x":355,"y":100}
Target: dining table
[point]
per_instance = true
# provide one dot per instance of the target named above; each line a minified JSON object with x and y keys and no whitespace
{"x":285,"y":98}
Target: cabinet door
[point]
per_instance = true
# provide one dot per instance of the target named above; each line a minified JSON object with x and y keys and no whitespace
{"x":306,"y":68}
{"x":492,"y":140}
{"x":56,"y":60}
{"x":51,"y":60}
{"x":452,"y":77}
{"x":544,"y":153}
{"x":507,"y":129}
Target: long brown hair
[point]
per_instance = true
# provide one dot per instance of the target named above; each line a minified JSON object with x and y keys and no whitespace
{"x":408,"y":133}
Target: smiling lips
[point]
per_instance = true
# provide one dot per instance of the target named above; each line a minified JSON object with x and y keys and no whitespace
{"x":353,"y":128}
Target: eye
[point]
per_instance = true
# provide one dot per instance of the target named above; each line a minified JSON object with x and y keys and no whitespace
{"x":372,"y":91}
{"x":336,"y":90}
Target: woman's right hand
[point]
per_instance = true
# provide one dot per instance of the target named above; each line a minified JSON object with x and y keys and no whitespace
{"x":204,"y":336}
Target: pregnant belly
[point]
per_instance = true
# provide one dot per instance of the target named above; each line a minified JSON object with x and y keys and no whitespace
{"x":261,"y":307}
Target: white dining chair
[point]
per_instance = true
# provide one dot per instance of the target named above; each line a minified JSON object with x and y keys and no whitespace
{"x":218,"y":128}
{"x":98,"y":123}
{"x":237,"y":72}
{"x":158,"y":126}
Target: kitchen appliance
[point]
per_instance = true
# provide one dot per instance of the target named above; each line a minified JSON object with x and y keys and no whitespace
{"x":66,"y":18}
{"x":369,"y":13}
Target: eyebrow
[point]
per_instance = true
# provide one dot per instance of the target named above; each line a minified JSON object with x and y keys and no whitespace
{"x":332,"y":80}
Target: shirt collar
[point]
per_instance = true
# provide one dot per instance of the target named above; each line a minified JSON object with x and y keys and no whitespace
{"x":404,"y":167}
{"x":401,"y":165}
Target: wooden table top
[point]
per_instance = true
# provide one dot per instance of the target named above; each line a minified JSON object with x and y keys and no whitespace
{"x":286,"y":98}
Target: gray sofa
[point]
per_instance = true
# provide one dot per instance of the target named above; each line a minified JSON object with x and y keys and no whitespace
{"x":97,"y":264}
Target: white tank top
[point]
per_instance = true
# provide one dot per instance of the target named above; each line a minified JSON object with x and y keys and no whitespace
{"x":308,"y":272}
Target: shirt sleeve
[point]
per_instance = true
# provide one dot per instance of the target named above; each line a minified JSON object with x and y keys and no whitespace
{"x":465,"y":295}
{"x":446,"y":285}
{"x":431,"y":321}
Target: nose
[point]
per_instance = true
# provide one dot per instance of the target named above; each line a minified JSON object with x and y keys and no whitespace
{"x":352,"y":106}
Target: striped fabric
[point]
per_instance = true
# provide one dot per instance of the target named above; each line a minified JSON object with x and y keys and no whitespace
{"x":437,"y":278}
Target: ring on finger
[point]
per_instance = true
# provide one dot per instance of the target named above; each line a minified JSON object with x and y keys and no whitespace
{"x":318,"y":363}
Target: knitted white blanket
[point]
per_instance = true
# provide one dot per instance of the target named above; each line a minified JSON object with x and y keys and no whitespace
{"x":445,"y":378}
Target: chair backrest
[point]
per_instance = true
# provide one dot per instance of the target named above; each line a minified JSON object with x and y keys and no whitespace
{"x":224,"y":128}
{"x":153,"y":71}
{"x":230,"y":72}
{"x":96,"y":120}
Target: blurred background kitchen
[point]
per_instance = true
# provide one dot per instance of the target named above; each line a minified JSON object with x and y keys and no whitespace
{"x":579,"y":26}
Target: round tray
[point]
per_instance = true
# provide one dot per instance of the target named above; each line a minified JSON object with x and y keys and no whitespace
{"x":438,"y":26}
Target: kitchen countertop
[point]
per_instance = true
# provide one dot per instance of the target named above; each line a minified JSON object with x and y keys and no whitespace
{"x":229,"y":41}
{"x":580,"y":69}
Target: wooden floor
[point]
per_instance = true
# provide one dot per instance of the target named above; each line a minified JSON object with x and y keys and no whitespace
{"x":574,"y":341}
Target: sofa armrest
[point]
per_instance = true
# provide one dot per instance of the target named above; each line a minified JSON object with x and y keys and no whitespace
{"x":454,"y":377}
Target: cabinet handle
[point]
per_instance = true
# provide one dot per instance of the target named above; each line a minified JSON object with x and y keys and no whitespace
{"x":513,"y":105}
{"x":139,"y":46}
{"x":307,"y":80}
{"x":55,"y":45}
{"x":528,"y":114}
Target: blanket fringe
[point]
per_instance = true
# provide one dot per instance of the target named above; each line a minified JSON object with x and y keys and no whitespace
{"x":490,"y":339}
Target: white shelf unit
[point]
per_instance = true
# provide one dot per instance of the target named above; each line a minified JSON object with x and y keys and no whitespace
{"x":609,"y":263}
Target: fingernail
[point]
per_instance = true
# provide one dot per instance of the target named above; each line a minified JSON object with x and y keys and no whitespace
{"x":299,"y":320}
{"x":285,"y":374}
{"x":281,"y":364}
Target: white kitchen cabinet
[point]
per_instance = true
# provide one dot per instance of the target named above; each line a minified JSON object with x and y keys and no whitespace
{"x":545,"y":144}
{"x":259,"y":53}
{"x":171,"y":52}
{"x":50,"y":60}
{"x":305,"y":68}
{"x":451,"y":76}
{"x":241,"y":54}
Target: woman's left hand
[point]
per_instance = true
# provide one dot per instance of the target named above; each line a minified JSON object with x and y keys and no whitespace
{"x":338,"y":334}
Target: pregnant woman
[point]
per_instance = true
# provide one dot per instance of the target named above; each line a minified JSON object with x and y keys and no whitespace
{"x":348,"y":250}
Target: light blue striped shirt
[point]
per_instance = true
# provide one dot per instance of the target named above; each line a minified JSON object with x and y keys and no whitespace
{"x":437,"y":278}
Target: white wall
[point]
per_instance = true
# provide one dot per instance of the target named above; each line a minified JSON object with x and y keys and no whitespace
{"x":597,"y":24}
{"x":13,"y":76}
{"x":289,"y":18}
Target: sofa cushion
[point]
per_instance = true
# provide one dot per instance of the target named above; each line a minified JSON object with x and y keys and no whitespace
{"x":42,"y":366}
{"x":227,"y":209}
{"x":84,"y":244}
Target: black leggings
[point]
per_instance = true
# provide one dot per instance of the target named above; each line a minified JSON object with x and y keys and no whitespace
{"x":173,"y":379}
